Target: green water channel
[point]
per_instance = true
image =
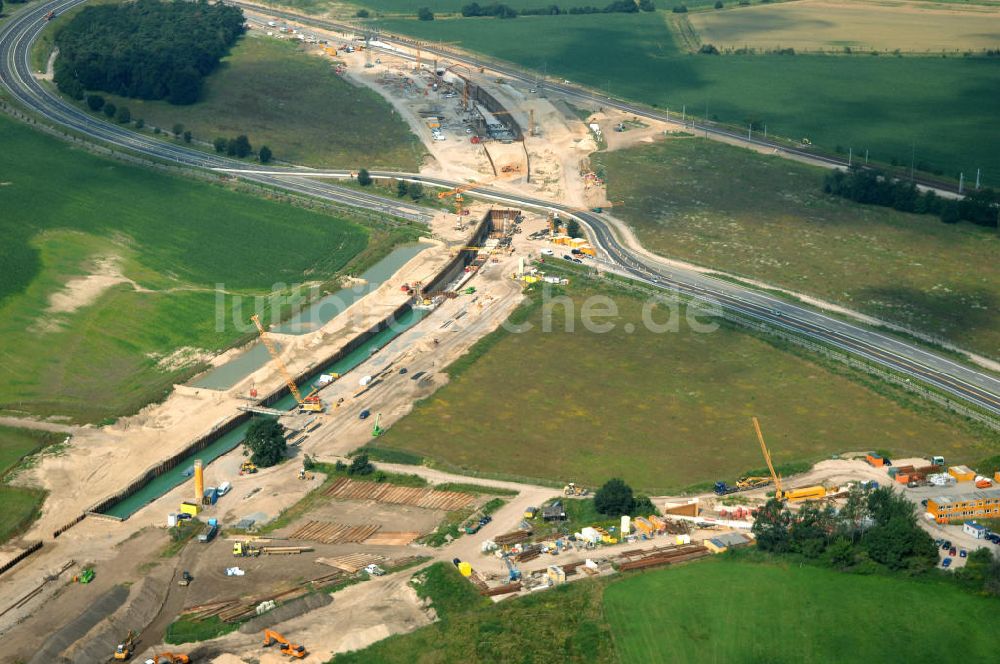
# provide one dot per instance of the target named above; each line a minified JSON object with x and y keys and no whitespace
{"x":311,"y":318}
{"x":229,"y":441}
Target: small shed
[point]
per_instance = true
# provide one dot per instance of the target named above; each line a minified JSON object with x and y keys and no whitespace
{"x":726,"y":541}
{"x":976,"y":530}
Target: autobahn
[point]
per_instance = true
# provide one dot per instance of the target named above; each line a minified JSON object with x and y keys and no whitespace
{"x":581,"y":94}
{"x":962,"y":382}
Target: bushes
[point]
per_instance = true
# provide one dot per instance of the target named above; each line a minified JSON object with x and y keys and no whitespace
{"x":875,"y":528}
{"x":147,"y":49}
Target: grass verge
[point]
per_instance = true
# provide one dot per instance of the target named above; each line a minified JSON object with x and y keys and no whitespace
{"x":187,"y":630}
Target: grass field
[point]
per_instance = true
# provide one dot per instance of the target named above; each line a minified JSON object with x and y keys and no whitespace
{"x":767,"y":218}
{"x":706,"y":612}
{"x":282,"y":96}
{"x":661,"y":410}
{"x":934,"y":108}
{"x":562,"y":625}
{"x":20,"y":504}
{"x":69,"y":215}
{"x":825,"y":25}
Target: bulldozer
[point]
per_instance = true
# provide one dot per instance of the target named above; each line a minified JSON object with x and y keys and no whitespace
{"x":286,"y":647}
{"x":248,"y":468}
{"x":169,"y":658}
{"x":572,"y":489}
{"x":245,"y":550}
{"x":126,"y":647}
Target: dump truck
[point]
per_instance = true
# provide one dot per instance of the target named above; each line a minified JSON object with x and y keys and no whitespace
{"x":210,"y":532}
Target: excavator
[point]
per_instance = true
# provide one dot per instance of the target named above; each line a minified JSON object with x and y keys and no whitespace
{"x":126,"y":647}
{"x":169,"y":658}
{"x":286,"y":647}
{"x":311,"y":403}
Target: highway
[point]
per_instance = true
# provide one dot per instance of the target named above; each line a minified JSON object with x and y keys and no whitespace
{"x":965,"y":383}
{"x":571,"y":91}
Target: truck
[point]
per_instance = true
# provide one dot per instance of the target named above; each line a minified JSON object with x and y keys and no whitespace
{"x":210,"y":532}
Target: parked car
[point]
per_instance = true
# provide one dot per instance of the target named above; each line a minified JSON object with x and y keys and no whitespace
{"x":946,"y":563}
{"x":567,"y":257}
{"x":364,"y":414}
{"x":946,"y":545}
{"x":953,"y":551}
{"x":963,"y":553}
{"x":403,"y":371}
{"x":547,"y":252}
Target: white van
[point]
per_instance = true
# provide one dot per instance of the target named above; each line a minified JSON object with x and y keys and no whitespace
{"x":224,"y":488}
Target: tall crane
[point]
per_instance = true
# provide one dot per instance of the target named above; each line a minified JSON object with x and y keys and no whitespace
{"x":311,"y":403}
{"x":469,"y":186}
{"x":778,"y":493}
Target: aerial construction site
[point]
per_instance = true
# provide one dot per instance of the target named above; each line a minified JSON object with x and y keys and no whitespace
{"x":265,"y":509}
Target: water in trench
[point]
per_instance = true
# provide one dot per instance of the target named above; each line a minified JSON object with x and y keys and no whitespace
{"x":311,"y":318}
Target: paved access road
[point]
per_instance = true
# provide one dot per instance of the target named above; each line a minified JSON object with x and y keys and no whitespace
{"x":969,"y":385}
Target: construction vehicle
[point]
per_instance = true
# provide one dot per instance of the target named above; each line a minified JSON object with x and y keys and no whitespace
{"x":245,"y":550}
{"x":169,"y":658}
{"x":572,"y":489}
{"x":311,"y":403}
{"x":377,"y":430}
{"x":126,"y":647}
{"x":86,"y":576}
{"x":805,"y":493}
{"x":743,"y":484}
{"x":530,"y":512}
{"x":286,"y":647}
{"x":513,"y":573}
{"x":248,"y":468}
{"x":185,"y":579}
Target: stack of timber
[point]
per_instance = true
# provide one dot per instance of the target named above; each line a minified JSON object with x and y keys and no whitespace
{"x":348,"y":489}
{"x":664,"y":556}
{"x":333,"y":533}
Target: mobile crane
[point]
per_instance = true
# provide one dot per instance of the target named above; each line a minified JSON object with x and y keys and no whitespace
{"x":311,"y":402}
{"x":806,"y":493}
{"x":286,"y":647}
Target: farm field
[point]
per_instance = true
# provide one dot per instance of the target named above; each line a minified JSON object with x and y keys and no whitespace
{"x":583,"y":406}
{"x":20,"y":504}
{"x":110,"y":272}
{"x":831,"y":25}
{"x":281,"y":96}
{"x":698,"y":613}
{"x":767,"y":218}
{"x":933,"y":109}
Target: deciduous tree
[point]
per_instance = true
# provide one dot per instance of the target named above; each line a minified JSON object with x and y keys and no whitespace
{"x":266,"y":442}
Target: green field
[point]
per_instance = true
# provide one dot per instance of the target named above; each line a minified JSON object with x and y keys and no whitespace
{"x":563,"y":625}
{"x":718,"y":610}
{"x":282,"y":95}
{"x":661,"y":410}
{"x":69,"y":215}
{"x":767,"y":218}
{"x":707,"y":612}
{"x":20,"y":504}
{"x":934,"y":108}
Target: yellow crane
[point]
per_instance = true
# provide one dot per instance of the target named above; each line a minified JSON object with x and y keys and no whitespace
{"x":311,"y":403}
{"x":805,"y":493}
{"x":461,"y":189}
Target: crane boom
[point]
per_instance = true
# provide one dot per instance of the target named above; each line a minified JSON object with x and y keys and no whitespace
{"x":273,"y":350}
{"x":767,"y":457}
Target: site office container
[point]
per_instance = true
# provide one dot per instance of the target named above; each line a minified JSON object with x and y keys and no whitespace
{"x":875,"y":460}
{"x":962,"y":473}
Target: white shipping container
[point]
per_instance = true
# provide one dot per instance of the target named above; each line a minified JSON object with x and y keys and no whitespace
{"x":171,"y":520}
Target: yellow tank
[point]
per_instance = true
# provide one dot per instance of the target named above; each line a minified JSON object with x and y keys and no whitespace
{"x":199,"y":481}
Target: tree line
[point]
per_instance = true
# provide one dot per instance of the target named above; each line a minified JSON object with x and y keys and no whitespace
{"x":146,"y":50}
{"x":504,"y":11}
{"x":875,"y":530}
{"x":873,"y":187}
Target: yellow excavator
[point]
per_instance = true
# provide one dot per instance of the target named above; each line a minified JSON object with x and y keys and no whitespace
{"x":170,"y":658}
{"x":286,"y":647}
{"x":311,"y":403}
{"x":126,"y":647}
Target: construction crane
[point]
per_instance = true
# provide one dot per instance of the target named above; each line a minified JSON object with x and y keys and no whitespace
{"x":806,"y":493}
{"x":461,"y":189}
{"x":286,"y":647}
{"x":126,"y":647}
{"x":171,"y":658}
{"x":311,"y":403}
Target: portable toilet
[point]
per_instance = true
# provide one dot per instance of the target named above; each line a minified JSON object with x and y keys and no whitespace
{"x":171,"y":520}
